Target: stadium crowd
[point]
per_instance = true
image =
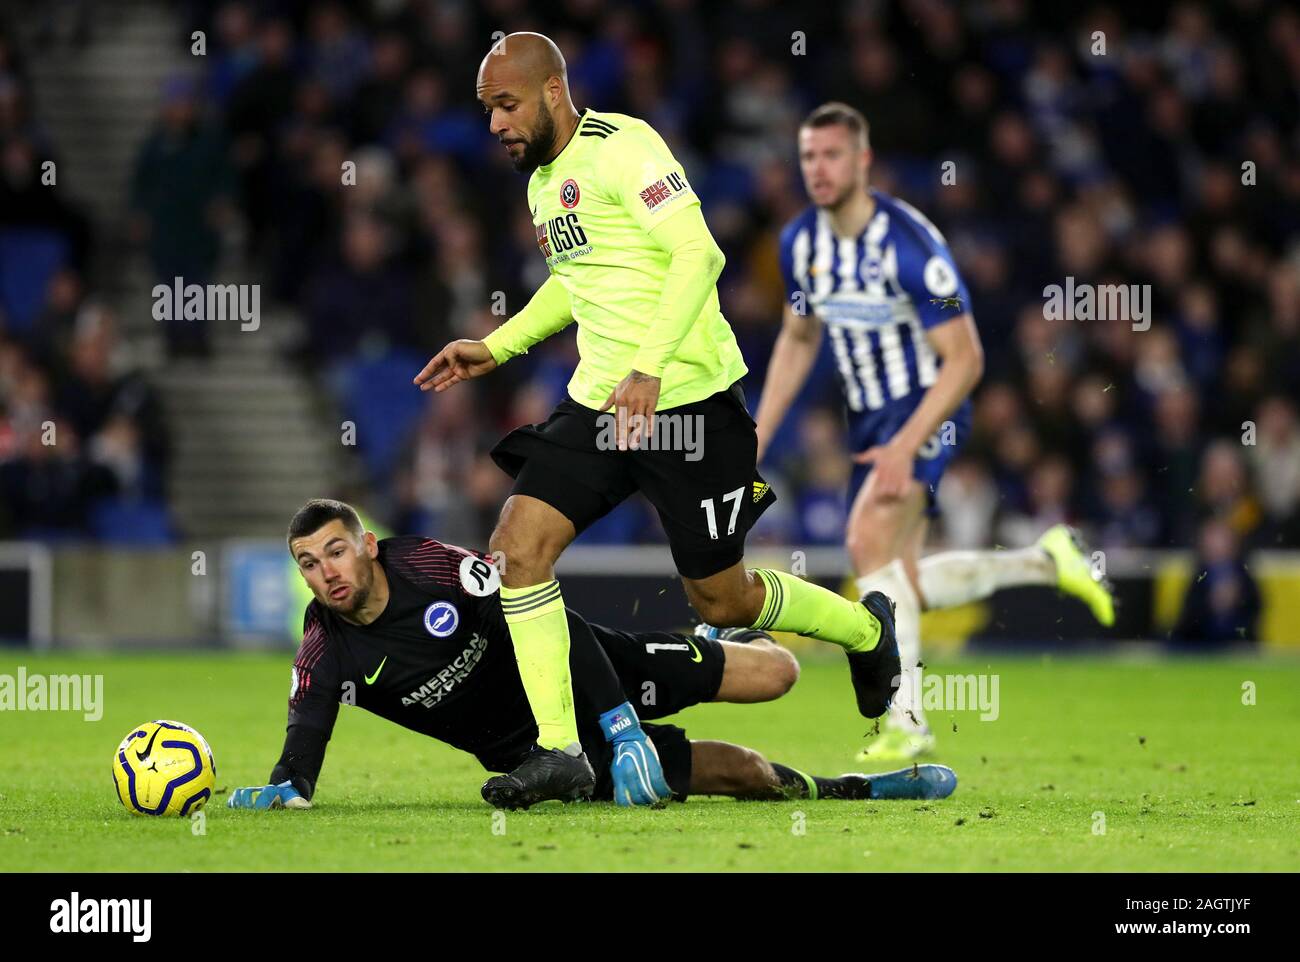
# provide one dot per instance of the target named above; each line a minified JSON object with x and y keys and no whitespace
{"x":1111,"y":144}
{"x":83,"y":449}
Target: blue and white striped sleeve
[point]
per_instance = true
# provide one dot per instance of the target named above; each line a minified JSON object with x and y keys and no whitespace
{"x":794,"y":293}
{"x":928,"y":273}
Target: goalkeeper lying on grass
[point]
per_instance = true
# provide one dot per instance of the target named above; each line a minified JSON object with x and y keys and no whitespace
{"x":412,"y":630}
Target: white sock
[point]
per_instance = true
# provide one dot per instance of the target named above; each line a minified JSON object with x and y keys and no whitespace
{"x":905,"y":711}
{"x":956,"y":577}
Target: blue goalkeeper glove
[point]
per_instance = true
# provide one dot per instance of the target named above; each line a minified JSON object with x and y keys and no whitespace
{"x":638,"y":776}
{"x":283,"y":795}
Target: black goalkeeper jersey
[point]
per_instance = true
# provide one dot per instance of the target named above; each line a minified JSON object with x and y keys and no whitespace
{"x":438,"y":660}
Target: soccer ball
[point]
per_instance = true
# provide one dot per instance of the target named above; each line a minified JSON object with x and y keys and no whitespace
{"x":163,"y":768}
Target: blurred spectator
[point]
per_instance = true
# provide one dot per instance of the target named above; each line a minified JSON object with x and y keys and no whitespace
{"x":1275,"y":461}
{"x":336,"y":54}
{"x":47,"y":483}
{"x":259,"y":105}
{"x":1223,"y":490}
{"x":1050,"y":489}
{"x":1120,"y":171}
{"x":1222,"y":603}
{"x":820,"y":512}
{"x":180,"y":193}
{"x":27,"y":200}
{"x":968,"y":502}
{"x":361,"y":296}
{"x":1173,"y":458}
{"x":1123,"y":169}
{"x":115,"y":410}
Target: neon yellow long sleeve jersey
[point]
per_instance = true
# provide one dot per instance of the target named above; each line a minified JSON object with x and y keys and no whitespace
{"x":632,"y":262}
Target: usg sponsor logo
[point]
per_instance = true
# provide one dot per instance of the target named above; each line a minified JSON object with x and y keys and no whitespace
{"x":562,"y":237}
{"x":77,"y":915}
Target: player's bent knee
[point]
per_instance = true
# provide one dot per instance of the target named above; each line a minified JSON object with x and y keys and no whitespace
{"x":525,"y":552}
{"x":784,"y":671}
{"x":756,"y":671}
{"x":776,"y":673}
{"x":866,"y":549}
{"x":516,"y":556}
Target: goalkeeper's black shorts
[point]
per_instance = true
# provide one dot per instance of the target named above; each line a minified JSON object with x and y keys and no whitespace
{"x":700,"y":474}
{"x":661,"y":673}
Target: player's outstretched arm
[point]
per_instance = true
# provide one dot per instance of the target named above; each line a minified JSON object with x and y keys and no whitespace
{"x":458,"y":361}
{"x":792,"y":358}
{"x":548,"y":311}
{"x":313,"y":710}
{"x":293,"y":780}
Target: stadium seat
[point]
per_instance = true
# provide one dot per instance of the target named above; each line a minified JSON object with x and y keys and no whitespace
{"x":376,"y":394}
{"x":29,"y":256}
{"x":137,"y":523}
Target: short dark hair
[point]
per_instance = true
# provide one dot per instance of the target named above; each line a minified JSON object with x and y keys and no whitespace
{"x":317,"y":513}
{"x":835,"y":112}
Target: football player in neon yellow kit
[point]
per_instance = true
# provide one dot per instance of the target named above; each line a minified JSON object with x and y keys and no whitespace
{"x":633,"y":264}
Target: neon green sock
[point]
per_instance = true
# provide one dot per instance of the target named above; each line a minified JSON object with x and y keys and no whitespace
{"x":539,"y":632}
{"x":793,"y":604}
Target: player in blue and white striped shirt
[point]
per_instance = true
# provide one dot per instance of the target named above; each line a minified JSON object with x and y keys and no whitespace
{"x":873,"y":272}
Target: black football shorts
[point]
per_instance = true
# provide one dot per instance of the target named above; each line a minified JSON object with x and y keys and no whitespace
{"x":700,"y":474}
{"x":662,"y":673}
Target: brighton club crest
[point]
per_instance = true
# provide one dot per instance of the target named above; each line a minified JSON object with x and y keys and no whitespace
{"x":441,"y":619}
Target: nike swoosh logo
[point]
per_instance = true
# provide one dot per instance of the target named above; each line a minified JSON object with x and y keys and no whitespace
{"x":370,"y":679}
{"x":534,"y":210}
{"x":148,"y":749}
{"x":698,"y":657}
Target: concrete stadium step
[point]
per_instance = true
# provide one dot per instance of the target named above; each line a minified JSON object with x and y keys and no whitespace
{"x":232,"y":446}
{"x":288,"y":405}
{"x":98,"y":101}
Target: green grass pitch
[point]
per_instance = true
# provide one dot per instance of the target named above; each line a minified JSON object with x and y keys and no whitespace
{"x":1186,"y":776}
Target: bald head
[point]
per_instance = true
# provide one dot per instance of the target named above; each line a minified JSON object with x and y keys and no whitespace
{"x":530,"y":58}
{"x":523,"y":84}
